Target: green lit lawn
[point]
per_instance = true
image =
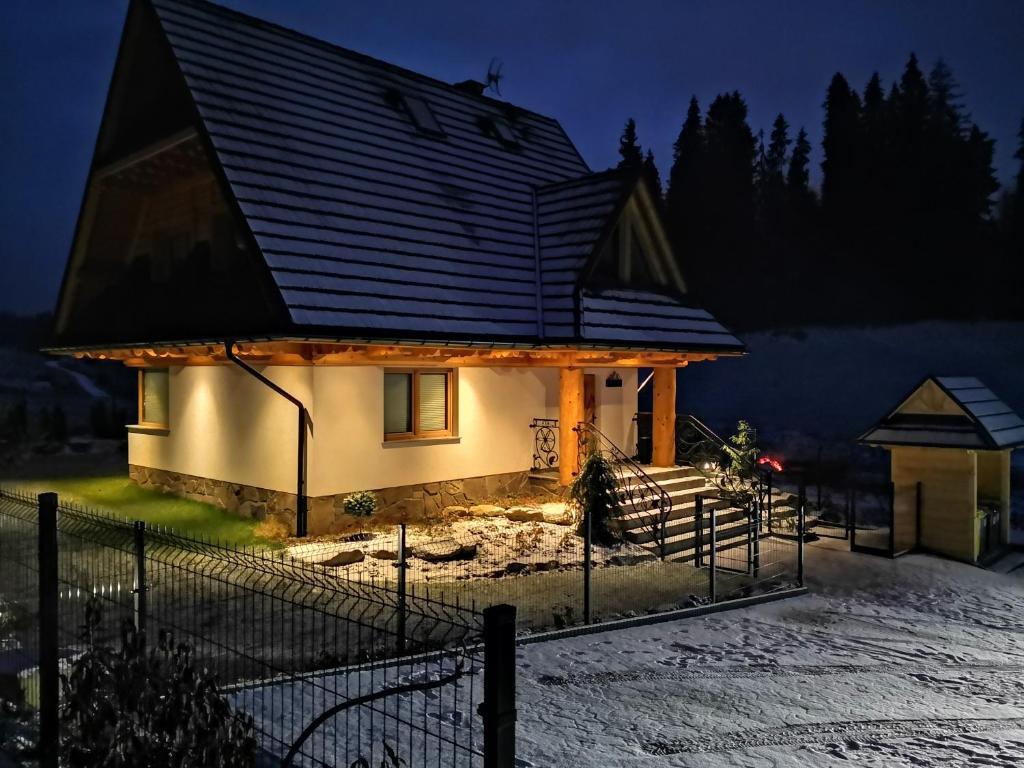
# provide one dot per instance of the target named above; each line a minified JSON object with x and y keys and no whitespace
{"x":118,"y":495}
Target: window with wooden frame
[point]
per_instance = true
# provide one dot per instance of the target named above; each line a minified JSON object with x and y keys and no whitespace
{"x":420,"y":404}
{"x":154,"y":398}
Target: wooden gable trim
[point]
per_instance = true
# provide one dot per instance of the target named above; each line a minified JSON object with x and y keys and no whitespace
{"x":636,"y":213}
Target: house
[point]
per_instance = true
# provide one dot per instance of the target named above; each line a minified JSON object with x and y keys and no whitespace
{"x":950,"y":442}
{"x":334,"y":275}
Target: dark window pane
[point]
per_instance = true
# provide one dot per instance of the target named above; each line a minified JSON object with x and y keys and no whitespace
{"x":397,"y":403}
{"x":155,"y":396}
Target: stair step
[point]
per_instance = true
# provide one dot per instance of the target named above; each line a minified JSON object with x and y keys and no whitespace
{"x":689,"y":555}
{"x":665,"y":474}
{"x":684,"y":510}
{"x":681,"y":546}
{"x":725,"y":519}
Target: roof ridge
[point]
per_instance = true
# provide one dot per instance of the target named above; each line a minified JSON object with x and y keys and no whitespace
{"x":336,"y":48}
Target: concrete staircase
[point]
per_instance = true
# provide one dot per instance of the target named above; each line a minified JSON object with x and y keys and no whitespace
{"x":683,"y":485}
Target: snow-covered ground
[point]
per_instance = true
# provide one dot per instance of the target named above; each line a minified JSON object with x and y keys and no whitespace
{"x":913,"y":662}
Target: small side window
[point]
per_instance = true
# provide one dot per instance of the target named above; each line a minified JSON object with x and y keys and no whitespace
{"x":154,"y":398}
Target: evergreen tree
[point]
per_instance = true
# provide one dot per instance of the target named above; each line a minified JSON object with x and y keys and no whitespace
{"x":1019,"y":155}
{"x":946,"y":114}
{"x":651,"y":170}
{"x":982,"y":179}
{"x":760,"y":167}
{"x":910,"y":112}
{"x":798,"y":177}
{"x":778,"y":148}
{"x":842,"y":170}
{"x":629,"y":147}
{"x":729,"y":165}
{"x":728,"y":204}
{"x":874,"y":206}
{"x":684,"y":198}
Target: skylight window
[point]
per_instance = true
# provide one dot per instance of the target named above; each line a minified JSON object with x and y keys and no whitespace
{"x":421,"y":116}
{"x":500,"y":129}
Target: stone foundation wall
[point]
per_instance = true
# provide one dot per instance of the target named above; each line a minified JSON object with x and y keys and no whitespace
{"x":405,"y":503}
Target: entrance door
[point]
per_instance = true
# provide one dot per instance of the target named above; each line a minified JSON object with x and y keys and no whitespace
{"x":589,"y":399}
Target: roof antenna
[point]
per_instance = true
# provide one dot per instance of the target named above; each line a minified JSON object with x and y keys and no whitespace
{"x":494,"y":75}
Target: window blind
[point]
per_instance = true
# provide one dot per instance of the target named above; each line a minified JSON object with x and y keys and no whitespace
{"x":433,"y":405}
{"x":397,"y":403}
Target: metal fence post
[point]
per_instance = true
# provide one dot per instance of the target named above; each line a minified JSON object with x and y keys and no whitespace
{"x":853,"y":517}
{"x":800,"y":542}
{"x":402,"y":587}
{"x":49,"y":679}
{"x":698,"y":527}
{"x":588,"y":540}
{"x":801,"y":494}
{"x":499,"y":704}
{"x":892,"y":519}
{"x":769,"y":497}
{"x":712,"y":586}
{"x":917,"y":516}
{"x":141,"y":587}
{"x":756,"y":564}
{"x":751,"y":532}
{"x":817,"y":481}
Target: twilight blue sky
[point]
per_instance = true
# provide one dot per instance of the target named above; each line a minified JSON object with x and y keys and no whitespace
{"x":589,"y":63}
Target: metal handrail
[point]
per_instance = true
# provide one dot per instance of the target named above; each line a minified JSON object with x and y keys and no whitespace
{"x":636,"y":488}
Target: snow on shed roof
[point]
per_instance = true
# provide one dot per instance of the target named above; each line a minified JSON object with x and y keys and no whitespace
{"x":950,"y":412}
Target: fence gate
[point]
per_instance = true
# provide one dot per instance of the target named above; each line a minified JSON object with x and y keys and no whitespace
{"x":871,"y":519}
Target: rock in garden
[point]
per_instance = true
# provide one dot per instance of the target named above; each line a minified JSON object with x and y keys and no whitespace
{"x":444,"y":551}
{"x":384,"y":554}
{"x":547,"y":565}
{"x":486,"y":510}
{"x":454,"y":511}
{"x":514,"y":568}
{"x":524,"y":515}
{"x":556,"y":517}
{"x":345,"y":558}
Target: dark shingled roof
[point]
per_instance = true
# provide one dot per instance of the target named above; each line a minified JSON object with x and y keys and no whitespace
{"x":984,"y":422}
{"x":373,"y":228}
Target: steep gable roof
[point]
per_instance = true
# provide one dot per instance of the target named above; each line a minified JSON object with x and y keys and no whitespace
{"x":386,"y":204}
{"x":950,"y":412}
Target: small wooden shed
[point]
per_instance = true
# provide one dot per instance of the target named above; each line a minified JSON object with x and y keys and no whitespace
{"x":954,"y":437}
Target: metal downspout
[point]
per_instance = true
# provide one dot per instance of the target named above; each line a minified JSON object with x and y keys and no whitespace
{"x":301,"y":501}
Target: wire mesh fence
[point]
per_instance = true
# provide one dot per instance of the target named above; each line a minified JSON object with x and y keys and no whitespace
{"x":289,"y":642}
{"x":541,"y":562}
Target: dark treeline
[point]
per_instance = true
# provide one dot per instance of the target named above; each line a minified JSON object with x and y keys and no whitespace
{"x":906,"y":226}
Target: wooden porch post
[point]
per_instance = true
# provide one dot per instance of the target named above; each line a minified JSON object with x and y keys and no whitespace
{"x":570,"y":413}
{"x":664,"y":429}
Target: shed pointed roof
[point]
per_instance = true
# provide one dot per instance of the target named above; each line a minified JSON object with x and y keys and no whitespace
{"x":950,"y":412}
{"x":387,"y":204}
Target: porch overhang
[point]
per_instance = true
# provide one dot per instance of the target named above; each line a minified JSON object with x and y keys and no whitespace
{"x":394,"y":353}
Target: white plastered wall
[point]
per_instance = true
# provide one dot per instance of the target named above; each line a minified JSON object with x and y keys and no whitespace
{"x":225,"y":425}
{"x":495,"y":408}
{"x":616,"y":406}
